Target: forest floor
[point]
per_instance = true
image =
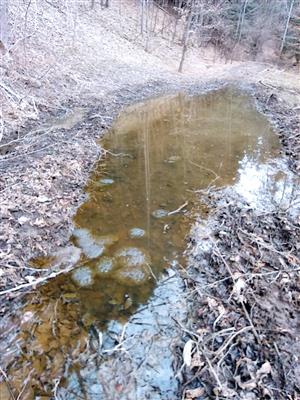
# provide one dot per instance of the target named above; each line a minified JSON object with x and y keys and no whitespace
{"x":57,"y":101}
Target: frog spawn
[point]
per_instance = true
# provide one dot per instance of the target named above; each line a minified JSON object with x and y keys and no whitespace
{"x":83,"y":276}
{"x":129,"y":266}
{"x":133,"y":266}
{"x":91,"y":246}
{"x":136,"y":233}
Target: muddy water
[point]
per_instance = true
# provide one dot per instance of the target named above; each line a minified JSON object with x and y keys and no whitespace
{"x":131,"y":227}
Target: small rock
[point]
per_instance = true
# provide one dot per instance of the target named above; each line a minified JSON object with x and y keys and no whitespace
{"x":27,"y":316}
{"x":173,"y":159}
{"x":67,"y":255}
{"x":132,"y":264}
{"x":92,"y":246}
{"x":43,"y":199}
{"x":132,"y":276}
{"x":128,"y":303}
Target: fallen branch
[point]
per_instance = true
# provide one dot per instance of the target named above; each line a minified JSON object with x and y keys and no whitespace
{"x":116,"y":154}
{"x":205,"y":169}
{"x":7,"y":384}
{"x":35,"y":282}
{"x":178,"y":209}
{"x":10,"y":92}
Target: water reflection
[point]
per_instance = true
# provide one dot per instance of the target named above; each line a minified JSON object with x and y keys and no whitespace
{"x":131,"y":227}
{"x":268,"y":187}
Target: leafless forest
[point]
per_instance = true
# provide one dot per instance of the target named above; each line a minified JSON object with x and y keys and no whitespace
{"x":237,"y":28}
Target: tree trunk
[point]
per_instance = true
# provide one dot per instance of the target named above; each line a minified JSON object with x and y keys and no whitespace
{"x":287,"y":26}
{"x":104,"y":3}
{"x":4,"y":30}
{"x":186,"y":39}
{"x":242,"y":20}
{"x":142,"y":16}
{"x":147,"y":24}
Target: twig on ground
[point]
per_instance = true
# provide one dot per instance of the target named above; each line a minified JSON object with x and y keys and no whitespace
{"x":10,"y":92}
{"x":24,"y":385}
{"x":116,"y":154}
{"x":7,"y":383}
{"x":119,"y":346}
{"x":178,"y":209}
{"x":250,"y":322}
{"x":35,"y":282}
{"x":224,"y":261}
{"x":205,"y":169}
{"x":20,"y":139}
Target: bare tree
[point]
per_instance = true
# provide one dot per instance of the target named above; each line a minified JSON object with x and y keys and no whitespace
{"x":241,"y":21}
{"x":4,"y":29}
{"x":142,"y":8}
{"x":186,"y":36}
{"x":104,"y":3}
{"x":235,"y":28}
{"x":287,"y":25}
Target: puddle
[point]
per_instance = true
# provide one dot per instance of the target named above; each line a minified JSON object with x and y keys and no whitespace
{"x":127,"y":233}
{"x":268,"y":187}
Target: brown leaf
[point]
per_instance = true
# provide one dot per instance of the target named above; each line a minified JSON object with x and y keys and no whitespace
{"x":187,"y":352}
{"x":196,"y":361}
{"x":265,"y":369}
{"x":194,"y":393}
